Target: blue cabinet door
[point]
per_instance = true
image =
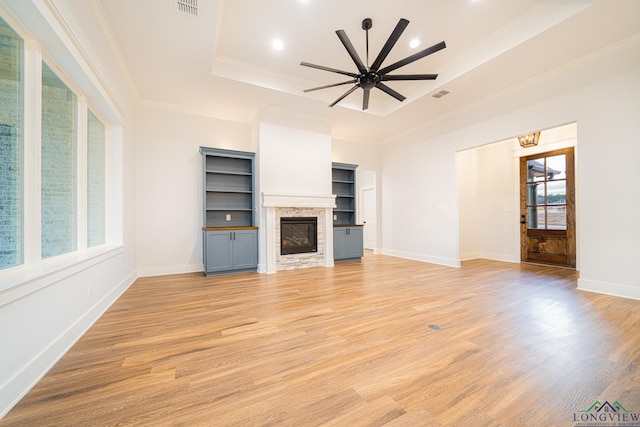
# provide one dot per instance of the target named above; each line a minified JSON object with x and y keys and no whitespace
{"x":354,"y":242}
{"x":245,"y":249}
{"x":217,"y":250}
{"x":347,"y":243}
{"x":339,"y":243}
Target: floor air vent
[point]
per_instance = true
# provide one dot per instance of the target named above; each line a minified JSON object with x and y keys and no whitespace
{"x":187,"y":7}
{"x":440,"y":94}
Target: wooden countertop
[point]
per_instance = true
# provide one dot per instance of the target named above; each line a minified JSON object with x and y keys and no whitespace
{"x":229,"y":228}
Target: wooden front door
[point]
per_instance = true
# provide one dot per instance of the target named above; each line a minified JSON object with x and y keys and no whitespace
{"x":547,"y":208}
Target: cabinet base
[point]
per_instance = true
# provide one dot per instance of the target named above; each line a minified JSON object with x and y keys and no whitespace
{"x":347,"y":259}
{"x":221,"y":273}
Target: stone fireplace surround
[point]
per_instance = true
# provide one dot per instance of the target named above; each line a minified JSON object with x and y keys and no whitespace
{"x":276,"y":206}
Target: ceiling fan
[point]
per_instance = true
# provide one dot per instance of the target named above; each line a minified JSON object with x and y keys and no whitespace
{"x":369,"y":77}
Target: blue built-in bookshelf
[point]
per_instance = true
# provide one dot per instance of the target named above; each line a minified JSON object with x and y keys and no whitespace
{"x":343,"y":185}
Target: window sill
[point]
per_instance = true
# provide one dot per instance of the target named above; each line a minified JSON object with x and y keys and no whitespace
{"x":23,"y":280}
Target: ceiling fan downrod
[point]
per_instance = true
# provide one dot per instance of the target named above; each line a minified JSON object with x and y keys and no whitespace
{"x":367,"y":23}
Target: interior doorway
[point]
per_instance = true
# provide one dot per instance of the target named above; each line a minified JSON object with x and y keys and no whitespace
{"x":489,"y":203}
{"x":367,"y":207}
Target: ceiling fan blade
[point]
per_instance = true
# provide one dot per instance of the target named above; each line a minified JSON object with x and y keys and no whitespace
{"x":409,"y":77}
{"x":328,"y":86}
{"x":343,"y":96}
{"x":352,"y":51}
{"x":365,"y":99}
{"x":393,"y":38}
{"x":333,"y":70}
{"x":414,"y":57}
{"x":390,"y":91}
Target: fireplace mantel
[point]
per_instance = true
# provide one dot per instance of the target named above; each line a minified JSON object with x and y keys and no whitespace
{"x":271,"y":200}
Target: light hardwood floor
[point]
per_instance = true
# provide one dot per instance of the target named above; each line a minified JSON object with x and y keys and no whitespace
{"x":357,"y":344}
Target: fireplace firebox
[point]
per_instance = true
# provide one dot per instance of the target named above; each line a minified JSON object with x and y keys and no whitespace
{"x":298,"y":235}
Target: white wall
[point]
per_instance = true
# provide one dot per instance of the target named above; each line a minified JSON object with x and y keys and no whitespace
{"x":366,"y":156}
{"x":294,"y":160}
{"x":419,"y":202}
{"x":169,"y":185}
{"x":48,"y":309}
{"x":469,"y":187}
{"x":602,"y":94}
{"x":488,"y":197}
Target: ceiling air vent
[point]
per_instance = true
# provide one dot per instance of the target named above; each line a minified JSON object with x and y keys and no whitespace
{"x":440,"y":94}
{"x":187,"y":7}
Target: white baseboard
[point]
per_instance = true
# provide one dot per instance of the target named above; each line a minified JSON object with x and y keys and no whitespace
{"x":449,"y":262}
{"x":467,"y":256}
{"x":169,"y":269}
{"x":19,"y":385}
{"x":494,"y":256}
{"x":614,"y":289}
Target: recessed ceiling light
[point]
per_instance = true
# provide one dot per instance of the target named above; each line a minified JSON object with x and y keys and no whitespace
{"x":277,"y":44}
{"x":414,"y":43}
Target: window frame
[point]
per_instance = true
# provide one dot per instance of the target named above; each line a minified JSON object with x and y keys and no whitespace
{"x":35,"y":272}
{"x":20,"y":247}
{"x":545,"y":205}
{"x":80,"y":158}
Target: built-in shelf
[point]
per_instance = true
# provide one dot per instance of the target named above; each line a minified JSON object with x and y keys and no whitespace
{"x":343,"y":185}
{"x":228,"y":187}
{"x":229,"y":235}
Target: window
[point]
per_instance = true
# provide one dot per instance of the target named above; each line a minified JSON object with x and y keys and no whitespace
{"x":95,"y":181}
{"x":11,"y":163}
{"x":53,"y":171}
{"x":58,"y":166}
{"x":547,"y":193}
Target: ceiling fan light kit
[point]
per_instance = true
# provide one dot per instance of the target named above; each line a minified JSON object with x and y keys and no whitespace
{"x":370,"y":77}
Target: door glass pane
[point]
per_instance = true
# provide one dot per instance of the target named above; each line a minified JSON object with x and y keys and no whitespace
{"x":556,"y":192}
{"x":535,"y":170}
{"x":11,"y":95}
{"x":535,"y":194}
{"x":556,"y":167}
{"x":536,"y":217}
{"x":557,"y":217}
{"x":58,"y":166}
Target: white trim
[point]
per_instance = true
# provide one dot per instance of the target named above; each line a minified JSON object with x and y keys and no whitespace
{"x":170,"y":269}
{"x":175,"y":108}
{"x":58,"y":23}
{"x":506,"y":257}
{"x":24,"y":280}
{"x":100,"y":15}
{"x":81,"y":173}
{"x":298,"y":201}
{"x":613,"y":289}
{"x":449,"y":262}
{"x":32,"y":125}
{"x":16,"y":387}
{"x":467,"y":256}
